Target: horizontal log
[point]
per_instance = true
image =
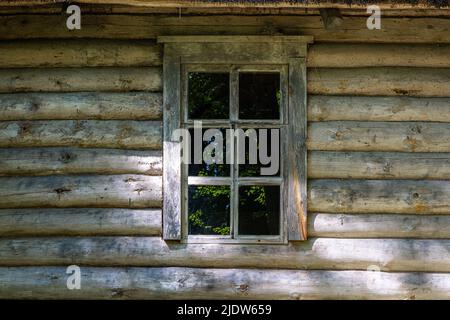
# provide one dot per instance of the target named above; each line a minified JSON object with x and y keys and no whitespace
{"x":126,"y":222}
{"x":52,"y":161}
{"x":79,"y":53}
{"x":194,"y":283}
{"x":420,"y":4}
{"x":80,"y":79}
{"x":305,"y":9}
{"x":242,"y":10}
{"x":332,"y":225}
{"x":79,"y":222}
{"x":379,"y":136}
{"x":82,"y":133}
{"x":378,"y":165}
{"x":80,"y":106}
{"x":120,"y":191}
{"x":379,"y":196}
{"x":419,"y":82}
{"x":329,"y":55}
{"x":316,"y":253}
{"x":116,"y":26}
{"x":354,"y":108}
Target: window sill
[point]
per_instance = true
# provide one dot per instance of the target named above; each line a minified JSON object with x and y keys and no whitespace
{"x":240,"y":240}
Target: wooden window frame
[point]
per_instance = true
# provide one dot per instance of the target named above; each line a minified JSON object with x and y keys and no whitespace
{"x":234,"y":181}
{"x":284,"y":51}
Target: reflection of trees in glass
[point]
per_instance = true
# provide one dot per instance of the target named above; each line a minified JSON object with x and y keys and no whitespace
{"x":259,"y":210}
{"x":208,"y":95}
{"x":209,"y":210}
{"x":259,"y":95}
{"x":254,"y":170}
{"x":209,"y":206}
{"x":204,"y":169}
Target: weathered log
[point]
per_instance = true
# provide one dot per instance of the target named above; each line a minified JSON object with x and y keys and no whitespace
{"x":80,"y":79}
{"x":353,"y":196}
{"x":419,"y":82}
{"x":378,"y":165}
{"x":82,"y":133}
{"x":315,"y":253}
{"x":331,"y":17}
{"x":50,"y":161}
{"x":194,"y":283}
{"x":116,"y":191}
{"x":379,"y":196}
{"x":379,"y":136}
{"x":164,"y":4}
{"x":80,"y":106}
{"x":126,"y":222}
{"x":354,"y":108}
{"x":306,"y":9}
{"x":329,"y":55}
{"x":79,"y":222}
{"x":378,"y":226}
{"x":117,"y":26}
{"x":79,"y":53}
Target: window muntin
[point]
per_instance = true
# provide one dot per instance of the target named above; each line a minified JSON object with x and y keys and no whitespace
{"x":253,"y":215}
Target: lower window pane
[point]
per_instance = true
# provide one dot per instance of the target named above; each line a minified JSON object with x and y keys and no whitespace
{"x":259,"y":210}
{"x":209,"y":210}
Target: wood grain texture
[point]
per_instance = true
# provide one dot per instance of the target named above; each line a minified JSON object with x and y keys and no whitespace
{"x":419,"y":82}
{"x":194,"y":283}
{"x":395,"y":255}
{"x":80,"y":79}
{"x":112,"y":191}
{"x":335,"y":55}
{"x":354,"y":108}
{"x":420,"y":4}
{"x":79,"y":222}
{"x":79,"y":53}
{"x":378,"y":165}
{"x":81,"y":133}
{"x":216,"y":10}
{"x":379,"y":196}
{"x":81,"y":106}
{"x":333,"y":225}
{"x":230,"y":49}
{"x":172,"y":145}
{"x":116,"y":26}
{"x":55,"y":161}
{"x":379,"y":136}
{"x":296,"y":208}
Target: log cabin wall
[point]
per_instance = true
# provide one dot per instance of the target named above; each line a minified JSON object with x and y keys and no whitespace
{"x":81,"y":160}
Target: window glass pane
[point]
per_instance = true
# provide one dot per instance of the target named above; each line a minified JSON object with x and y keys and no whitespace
{"x":208,"y":95}
{"x":208,"y":161}
{"x":259,"y":152}
{"x":209,"y":210}
{"x":259,"y":95}
{"x":259,"y":210}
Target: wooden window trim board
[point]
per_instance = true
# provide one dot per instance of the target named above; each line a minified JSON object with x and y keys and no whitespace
{"x":246,"y":50}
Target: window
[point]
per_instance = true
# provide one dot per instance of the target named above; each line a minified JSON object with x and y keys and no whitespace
{"x":237,"y":196}
{"x":234,"y":139}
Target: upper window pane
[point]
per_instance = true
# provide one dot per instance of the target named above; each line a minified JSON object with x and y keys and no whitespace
{"x":208,"y":95}
{"x":259,"y":95}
